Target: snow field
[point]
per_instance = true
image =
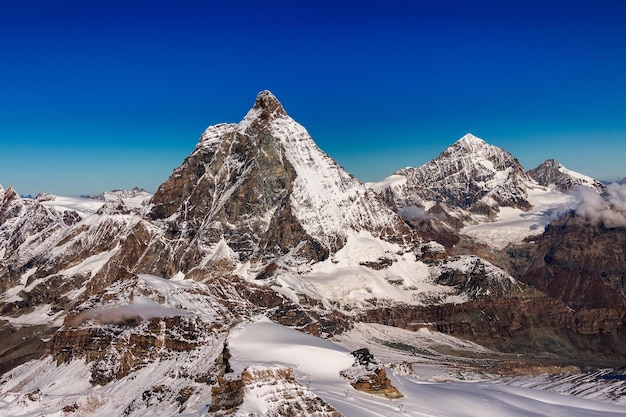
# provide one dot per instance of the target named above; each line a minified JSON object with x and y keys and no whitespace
{"x":317,"y":363}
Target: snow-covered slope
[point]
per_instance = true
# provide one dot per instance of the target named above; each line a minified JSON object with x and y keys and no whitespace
{"x":115,"y":194}
{"x":49,"y":250}
{"x":513,"y":225}
{"x":369,"y":272}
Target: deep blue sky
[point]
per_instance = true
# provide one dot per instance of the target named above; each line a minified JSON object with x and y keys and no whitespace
{"x":97,"y":95}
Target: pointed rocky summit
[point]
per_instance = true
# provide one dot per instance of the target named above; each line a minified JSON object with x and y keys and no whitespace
{"x":470,"y":174}
{"x":269,"y":104}
{"x":256,"y":191}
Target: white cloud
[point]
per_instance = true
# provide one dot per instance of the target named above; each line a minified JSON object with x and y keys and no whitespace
{"x":121,"y":313}
{"x":608,"y":209}
{"x":413,"y":213}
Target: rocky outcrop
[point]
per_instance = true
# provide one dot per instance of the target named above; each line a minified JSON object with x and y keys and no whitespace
{"x":281,"y":394}
{"x":474,"y":277}
{"x":368,"y":375}
{"x":118,"y":349}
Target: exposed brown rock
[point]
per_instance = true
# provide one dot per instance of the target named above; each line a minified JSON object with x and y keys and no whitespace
{"x":581,"y":264}
{"x":117,"y":350}
{"x":368,"y":375}
{"x":377,"y":383}
{"x":518,"y":368}
{"x":227,"y":395}
{"x":535,"y":325}
{"x":382,"y":263}
{"x":21,"y":344}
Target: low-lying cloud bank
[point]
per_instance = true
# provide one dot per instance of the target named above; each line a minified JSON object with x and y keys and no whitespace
{"x":414,"y":213}
{"x":130,"y":312}
{"x":608,"y":209}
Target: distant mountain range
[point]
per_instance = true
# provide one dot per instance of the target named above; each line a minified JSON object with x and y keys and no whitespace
{"x":138,"y":304}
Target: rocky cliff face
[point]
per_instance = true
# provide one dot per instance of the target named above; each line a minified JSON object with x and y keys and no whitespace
{"x":581,"y":264}
{"x":551,"y":173}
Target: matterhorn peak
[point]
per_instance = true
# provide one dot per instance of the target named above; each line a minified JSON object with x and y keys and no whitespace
{"x":266,"y":107}
{"x":266,"y":189}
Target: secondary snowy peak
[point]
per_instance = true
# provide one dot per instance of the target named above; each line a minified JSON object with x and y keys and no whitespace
{"x":470,"y":174}
{"x":551,"y":173}
{"x":264,"y":188}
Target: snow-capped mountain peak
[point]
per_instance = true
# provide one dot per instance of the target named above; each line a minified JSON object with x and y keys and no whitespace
{"x":264,"y":188}
{"x":266,"y":109}
{"x":470,"y":174}
{"x":469,"y":141}
{"x":474,"y":150}
{"x":551,"y":173}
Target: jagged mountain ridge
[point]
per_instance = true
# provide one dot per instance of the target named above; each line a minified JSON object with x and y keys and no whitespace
{"x":256,"y":191}
{"x":470,"y":174}
{"x":551,"y":173}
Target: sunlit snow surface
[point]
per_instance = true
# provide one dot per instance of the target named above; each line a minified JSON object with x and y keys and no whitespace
{"x":318,"y":362}
{"x":513,"y":225}
{"x":82,"y":206}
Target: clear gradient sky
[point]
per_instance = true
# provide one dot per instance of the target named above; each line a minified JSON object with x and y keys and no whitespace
{"x":97,"y":95}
